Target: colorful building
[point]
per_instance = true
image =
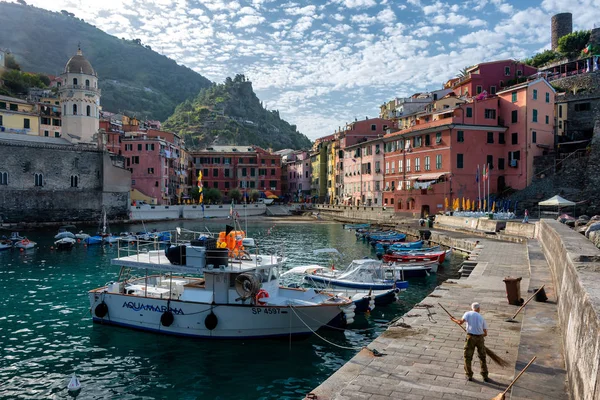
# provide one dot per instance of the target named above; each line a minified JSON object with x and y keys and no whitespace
{"x":490,"y":77}
{"x":436,"y":160}
{"x":243,"y":167}
{"x":528,"y":111}
{"x":298,"y":169}
{"x":50,"y":117}
{"x":18,"y":116}
{"x":363,"y":173}
{"x":318,"y":162}
{"x":327,"y":157}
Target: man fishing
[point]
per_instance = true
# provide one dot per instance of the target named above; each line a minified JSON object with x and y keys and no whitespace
{"x":476,"y":331}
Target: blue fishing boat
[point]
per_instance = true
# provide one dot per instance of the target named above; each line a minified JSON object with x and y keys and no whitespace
{"x":92,"y":240}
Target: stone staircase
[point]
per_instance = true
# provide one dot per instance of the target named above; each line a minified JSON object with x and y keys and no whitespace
{"x":278,"y":211}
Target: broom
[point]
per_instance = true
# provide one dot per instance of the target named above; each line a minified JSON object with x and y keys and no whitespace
{"x":495,"y":358}
{"x":502,"y":395}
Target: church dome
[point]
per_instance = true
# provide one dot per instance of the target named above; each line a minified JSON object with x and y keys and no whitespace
{"x":78,"y":64}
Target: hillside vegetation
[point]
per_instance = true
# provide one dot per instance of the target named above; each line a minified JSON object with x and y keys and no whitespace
{"x":231,"y":114}
{"x":134,"y":79}
{"x":569,"y":46}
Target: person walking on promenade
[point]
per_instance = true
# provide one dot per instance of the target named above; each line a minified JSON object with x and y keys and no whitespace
{"x":526,"y":218}
{"x":476,"y":331}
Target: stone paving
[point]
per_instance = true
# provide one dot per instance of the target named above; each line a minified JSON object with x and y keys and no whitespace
{"x":425,"y":360}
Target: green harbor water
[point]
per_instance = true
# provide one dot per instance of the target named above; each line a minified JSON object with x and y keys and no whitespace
{"x":46,"y":333}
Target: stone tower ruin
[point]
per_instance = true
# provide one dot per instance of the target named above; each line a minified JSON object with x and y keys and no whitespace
{"x":562,"y":24}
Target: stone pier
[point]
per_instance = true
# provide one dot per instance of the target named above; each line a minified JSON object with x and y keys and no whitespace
{"x":423,"y":352}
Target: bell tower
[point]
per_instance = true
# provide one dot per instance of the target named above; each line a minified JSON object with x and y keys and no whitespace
{"x":80,"y":100}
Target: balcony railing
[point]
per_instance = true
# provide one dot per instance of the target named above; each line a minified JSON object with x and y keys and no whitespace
{"x":82,"y":87}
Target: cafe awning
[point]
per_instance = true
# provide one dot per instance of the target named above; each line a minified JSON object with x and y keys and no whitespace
{"x":427,"y":177}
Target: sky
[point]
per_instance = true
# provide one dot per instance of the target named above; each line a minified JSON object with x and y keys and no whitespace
{"x":323,"y":64}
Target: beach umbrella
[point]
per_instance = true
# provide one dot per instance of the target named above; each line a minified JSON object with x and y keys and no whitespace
{"x":484,"y":205}
{"x":446,"y":203}
{"x":494,"y":206}
{"x":473,"y":206}
{"x":468,"y":204}
{"x":463,"y":203}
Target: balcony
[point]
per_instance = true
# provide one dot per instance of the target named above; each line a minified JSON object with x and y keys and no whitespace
{"x":81,"y":87}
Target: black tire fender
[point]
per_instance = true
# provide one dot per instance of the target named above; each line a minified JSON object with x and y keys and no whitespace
{"x":167,"y":318}
{"x":211,"y":321}
{"x":101,"y":310}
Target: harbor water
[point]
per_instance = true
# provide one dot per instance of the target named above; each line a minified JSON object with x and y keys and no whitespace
{"x":46,"y":333}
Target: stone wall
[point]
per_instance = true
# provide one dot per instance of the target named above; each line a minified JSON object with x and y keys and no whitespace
{"x":584,"y":88}
{"x":372,"y":214}
{"x":575,"y":265}
{"x":57,"y":200}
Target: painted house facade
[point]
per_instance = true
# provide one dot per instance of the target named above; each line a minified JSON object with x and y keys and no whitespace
{"x":245,"y":168}
{"x":363,"y":173}
{"x":528,"y":111}
{"x":490,"y":77}
{"x":299,"y":176}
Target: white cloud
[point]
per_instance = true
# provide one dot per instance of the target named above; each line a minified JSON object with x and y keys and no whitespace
{"x":450,"y":19}
{"x":247,"y":11}
{"x":249,"y":20}
{"x":357,"y":3}
{"x":363,"y":19}
{"x":474,"y":23}
{"x":386,"y":16}
{"x":308,"y":10}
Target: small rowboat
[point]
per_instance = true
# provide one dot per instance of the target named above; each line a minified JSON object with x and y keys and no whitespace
{"x":410,"y":257}
{"x":25,"y":244}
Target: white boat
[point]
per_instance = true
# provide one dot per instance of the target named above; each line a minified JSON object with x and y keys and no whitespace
{"x":15,"y":237}
{"x":6,"y":244}
{"x":63,"y":233}
{"x":81,"y":235}
{"x":65,"y":243}
{"x":25,"y":244}
{"x":234,"y":298}
{"x":74,"y":385}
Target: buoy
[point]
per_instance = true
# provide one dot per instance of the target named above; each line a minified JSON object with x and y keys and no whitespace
{"x":262,"y":294}
{"x":51,"y":247}
{"x":211,"y":321}
{"x":21,"y":249}
{"x":101,"y":310}
{"x":85,"y":245}
{"x":167,"y":318}
{"x":78,"y":240}
{"x":74,"y":384}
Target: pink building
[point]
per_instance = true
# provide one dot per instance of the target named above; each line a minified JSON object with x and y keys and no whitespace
{"x":363,"y":173}
{"x":438,"y":160}
{"x":298,"y":168}
{"x":155,"y":164}
{"x":490,"y":77}
{"x":528,"y":113}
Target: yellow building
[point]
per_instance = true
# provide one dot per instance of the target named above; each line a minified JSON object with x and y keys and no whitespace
{"x":331,"y":171}
{"x":18,"y":116}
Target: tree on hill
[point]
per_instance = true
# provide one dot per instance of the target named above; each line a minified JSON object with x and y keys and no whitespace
{"x":572,"y":44}
{"x":542,"y":58}
{"x":11,"y":63}
{"x":231,"y":114}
